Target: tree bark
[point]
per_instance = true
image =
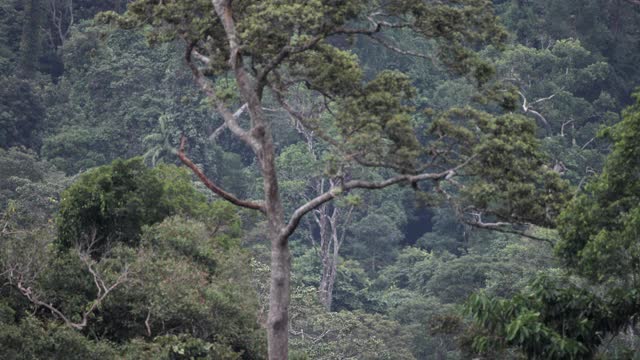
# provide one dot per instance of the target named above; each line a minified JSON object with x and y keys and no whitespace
{"x":330,"y":242}
{"x":277,"y":321}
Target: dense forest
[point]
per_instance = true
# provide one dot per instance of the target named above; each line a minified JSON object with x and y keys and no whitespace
{"x":319,"y":179}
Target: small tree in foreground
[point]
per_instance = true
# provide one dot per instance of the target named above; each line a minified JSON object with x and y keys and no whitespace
{"x":272,"y":48}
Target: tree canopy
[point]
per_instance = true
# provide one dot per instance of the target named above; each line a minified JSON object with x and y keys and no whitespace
{"x":325,"y":179}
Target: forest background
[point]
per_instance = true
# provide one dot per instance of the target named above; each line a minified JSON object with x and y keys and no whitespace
{"x":112,"y":250}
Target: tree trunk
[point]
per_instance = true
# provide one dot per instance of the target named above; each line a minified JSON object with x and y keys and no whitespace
{"x":323,"y":223}
{"x":277,"y":323}
{"x":329,"y":256}
{"x":333,"y":272}
{"x":279,"y":293}
{"x":326,"y":283}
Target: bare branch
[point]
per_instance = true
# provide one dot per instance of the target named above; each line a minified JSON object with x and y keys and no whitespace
{"x":21,"y":278}
{"x":361,"y":184}
{"x":565,"y":124}
{"x":345,"y":225}
{"x":299,"y":118}
{"x":5,"y":227}
{"x":503,"y":227}
{"x":229,"y":120}
{"x":397,"y":50}
{"x":61,"y":20}
{"x":221,"y":128}
{"x":542,"y":119}
{"x":527,"y":109}
{"x":507,"y":228}
{"x":224,"y":11}
{"x":28,"y":293}
{"x":249,"y":204}
{"x":377,"y":26}
{"x":542,"y":99}
{"x":201,"y":57}
{"x":587,"y":143}
{"x":103,"y":289}
{"x":147,"y":324}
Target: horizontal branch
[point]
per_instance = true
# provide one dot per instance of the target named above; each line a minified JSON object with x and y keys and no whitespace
{"x":506,"y":228}
{"x":249,"y":204}
{"x":543,"y":99}
{"x":377,"y":26}
{"x":297,"y":215}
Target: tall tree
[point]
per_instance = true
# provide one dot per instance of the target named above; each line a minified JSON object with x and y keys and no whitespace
{"x":271,"y":47}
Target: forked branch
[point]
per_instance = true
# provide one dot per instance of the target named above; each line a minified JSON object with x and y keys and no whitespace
{"x":231,"y":121}
{"x":24,"y":277}
{"x":332,"y":193}
{"x":526,"y":107}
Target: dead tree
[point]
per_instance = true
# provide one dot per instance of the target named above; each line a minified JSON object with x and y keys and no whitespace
{"x":61,"y":19}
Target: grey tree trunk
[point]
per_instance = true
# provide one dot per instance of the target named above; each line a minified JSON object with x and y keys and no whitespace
{"x":277,"y":321}
{"x":279,"y":293}
{"x":328,"y":255}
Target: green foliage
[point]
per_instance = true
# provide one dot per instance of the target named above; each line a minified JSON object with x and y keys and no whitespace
{"x":115,"y":97}
{"x":552,"y":319}
{"x":557,"y":317}
{"x":29,"y":189}
{"x":10,"y":41}
{"x":352,"y":285}
{"x":514,"y":183}
{"x":21,"y":113}
{"x":510,"y":179}
{"x":381,"y":237}
{"x":605,"y":28}
{"x":377,"y":123}
{"x":187,"y":295}
{"x":189,"y":280}
{"x":447,"y":234}
{"x":266,"y":27}
{"x":30,"y":41}
{"x":93,"y":122}
{"x":115,"y":201}
{"x":33,"y":339}
{"x":325,"y":335}
{"x":599,"y":227}
{"x":330,"y":69}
